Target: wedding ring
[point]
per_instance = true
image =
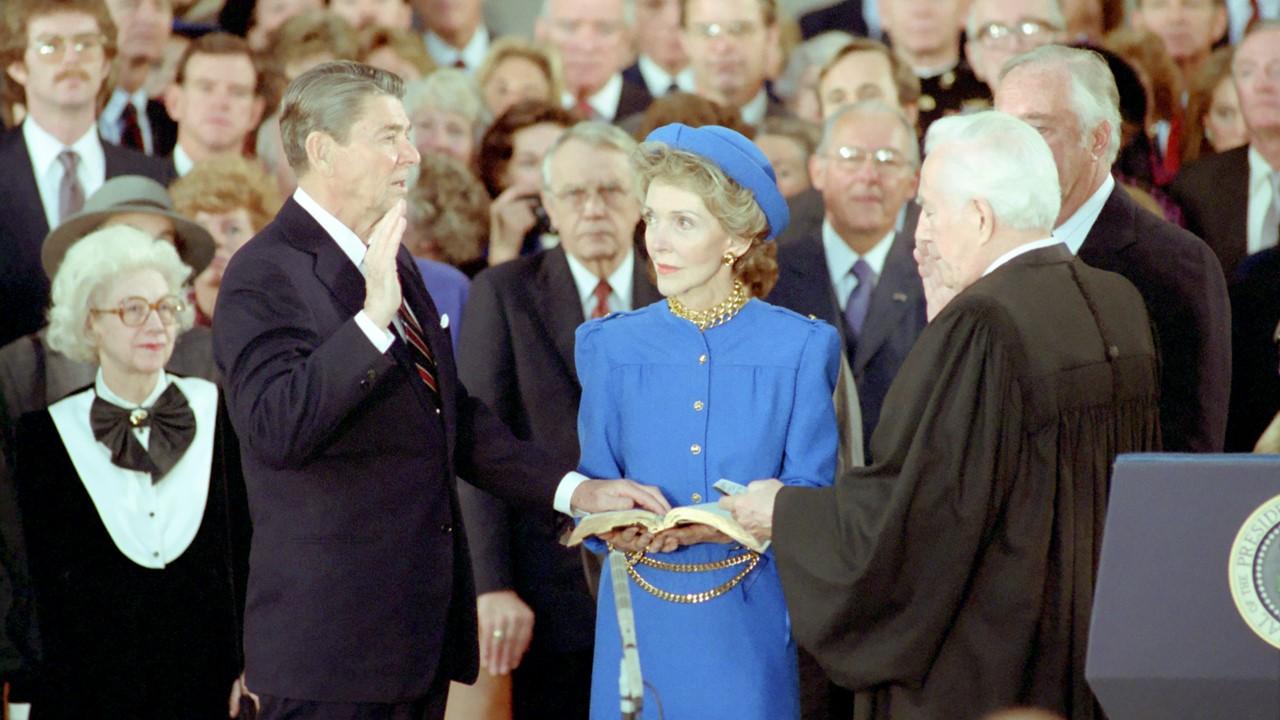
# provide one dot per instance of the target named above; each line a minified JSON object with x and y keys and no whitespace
{"x":497,"y":634}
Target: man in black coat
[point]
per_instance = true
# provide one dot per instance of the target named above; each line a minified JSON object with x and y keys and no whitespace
{"x":353,"y":426}
{"x":1180,"y":279}
{"x":516,"y":354}
{"x":59,"y":88}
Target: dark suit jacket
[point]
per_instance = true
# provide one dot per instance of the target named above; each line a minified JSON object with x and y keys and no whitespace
{"x":164,"y":131}
{"x":1214,"y":195}
{"x":1255,"y":361}
{"x":845,"y":15}
{"x":516,"y":354}
{"x":635,"y":99}
{"x":24,"y":288}
{"x":1182,"y":284}
{"x":895,"y":317}
{"x":360,"y":586}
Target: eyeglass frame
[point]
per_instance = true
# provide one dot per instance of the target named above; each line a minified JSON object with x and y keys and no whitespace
{"x":883,"y":159}
{"x":1019,"y":30}
{"x":604,"y":191}
{"x":81,"y":43}
{"x":120,"y":310}
{"x":733,"y":29}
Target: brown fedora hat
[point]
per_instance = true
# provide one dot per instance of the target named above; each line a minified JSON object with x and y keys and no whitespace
{"x":127,"y":194}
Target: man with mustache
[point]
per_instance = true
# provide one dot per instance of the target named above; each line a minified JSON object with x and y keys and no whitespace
{"x":55,"y":55}
{"x":216,"y":99}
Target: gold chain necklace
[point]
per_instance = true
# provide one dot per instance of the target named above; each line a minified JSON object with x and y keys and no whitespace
{"x":711,"y":317}
{"x":750,"y":559}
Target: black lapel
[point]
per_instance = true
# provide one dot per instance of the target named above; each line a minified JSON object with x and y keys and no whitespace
{"x":1111,"y":232}
{"x":810,"y":283}
{"x":24,"y":209}
{"x":557,"y":305}
{"x":333,"y":268}
{"x":896,"y":294}
{"x":643,"y":291}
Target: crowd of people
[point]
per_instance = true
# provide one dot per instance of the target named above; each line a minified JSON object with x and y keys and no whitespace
{"x":324,"y":320}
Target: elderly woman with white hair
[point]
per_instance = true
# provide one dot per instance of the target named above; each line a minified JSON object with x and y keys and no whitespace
{"x":446,"y":112}
{"x":135,"y":535}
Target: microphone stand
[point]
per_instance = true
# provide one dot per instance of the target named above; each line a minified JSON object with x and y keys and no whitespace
{"x":630,"y":680}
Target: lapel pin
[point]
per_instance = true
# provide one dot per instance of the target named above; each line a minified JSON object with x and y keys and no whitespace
{"x":444,"y":319}
{"x":899,"y":297}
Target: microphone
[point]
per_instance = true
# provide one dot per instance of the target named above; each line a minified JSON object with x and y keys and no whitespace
{"x":630,"y":680}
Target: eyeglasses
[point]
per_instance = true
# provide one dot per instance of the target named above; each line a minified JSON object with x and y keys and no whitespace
{"x":612,"y":195}
{"x":882,"y":159}
{"x":134,"y":311}
{"x":736,"y":29}
{"x":1000,"y":35}
{"x":53,"y":49}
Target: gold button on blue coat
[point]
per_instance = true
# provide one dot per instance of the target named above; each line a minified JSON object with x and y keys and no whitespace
{"x":697,"y":405}
{"x":696,"y":449}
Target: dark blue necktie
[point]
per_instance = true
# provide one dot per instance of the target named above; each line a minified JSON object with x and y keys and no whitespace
{"x":855,"y":311}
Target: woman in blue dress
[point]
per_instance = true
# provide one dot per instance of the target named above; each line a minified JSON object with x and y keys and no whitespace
{"x":708,"y":384}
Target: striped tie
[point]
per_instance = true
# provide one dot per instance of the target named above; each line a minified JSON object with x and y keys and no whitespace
{"x":423,"y":361}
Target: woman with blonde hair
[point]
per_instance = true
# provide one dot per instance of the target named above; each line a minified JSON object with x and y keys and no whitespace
{"x":516,"y":69}
{"x":711,"y":383}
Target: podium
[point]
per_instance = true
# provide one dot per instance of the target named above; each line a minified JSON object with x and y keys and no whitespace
{"x":1186,"y":613}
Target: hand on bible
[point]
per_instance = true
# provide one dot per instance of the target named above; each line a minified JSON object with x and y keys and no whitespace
{"x":754,"y":509}
{"x":506,"y":627}
{"x":628,"y":539}
{"x":595,"y":496}
{"x":940,"y":284}
{"x":669,"y":540}
{"x":381,"y":282}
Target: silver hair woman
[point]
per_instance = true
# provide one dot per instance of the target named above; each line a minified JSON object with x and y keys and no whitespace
{"x":132,"y":527}
{"x":447,"y":113}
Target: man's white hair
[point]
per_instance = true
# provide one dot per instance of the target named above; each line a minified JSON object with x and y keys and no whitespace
{"x":1053,"y":16}
{"x":996,"y":157}
{"x":599,"y":135}
{"x":1094,"y":97}
{"x":628,"y":12}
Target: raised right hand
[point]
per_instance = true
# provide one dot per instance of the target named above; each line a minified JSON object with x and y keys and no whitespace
{"x":938,"y":278}
{"x":510,"y":218}
{"x":381,"y":283}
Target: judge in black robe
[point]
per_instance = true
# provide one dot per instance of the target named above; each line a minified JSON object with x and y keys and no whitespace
{"x":954,"y":576}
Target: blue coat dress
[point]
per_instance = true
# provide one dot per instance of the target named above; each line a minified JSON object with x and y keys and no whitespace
{"x":667,"y":405}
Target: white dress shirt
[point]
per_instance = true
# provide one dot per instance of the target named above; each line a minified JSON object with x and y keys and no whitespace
{"x":841,"y":259}
{"x":381,"y":338}
{"x":182,"y":162}
{"x":1261,"y":195}
{"x":753,"y":113}
{"x":659,"y":81}
{"x":1075,"y":229}
{"x":1240,"y":12}
{"x":152,"y":524}
{"x":446,"y":55}
{"x":604,"y":102}
{"x":109,"y":122}
{"x":1020,"y":250}
{"x":619,"y":284}
{"x":44,"y":149}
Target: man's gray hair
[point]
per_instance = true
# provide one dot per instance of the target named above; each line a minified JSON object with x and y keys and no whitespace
{"x":329,"y":98}
{"x":449,"y":89}
{"x":873,"y":107}
{"x":628,"y":11}
{"x":1094,"y":96}
{"x":1053,"y":15}
{"x":599,"y":135}
{"x":996,"y":157}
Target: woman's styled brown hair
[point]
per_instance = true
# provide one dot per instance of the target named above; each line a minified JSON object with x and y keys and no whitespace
{"x":223,"y":184}
{"x":498,"y":143}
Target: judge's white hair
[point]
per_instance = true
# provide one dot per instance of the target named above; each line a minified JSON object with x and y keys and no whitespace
{"x":1094,"y":96}
{"x":998,"y":158}
{"x":90,"y":265}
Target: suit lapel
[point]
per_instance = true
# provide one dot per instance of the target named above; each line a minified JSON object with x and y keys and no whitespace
{"x":896,"y":293}
{"x":1111,"y":233}
{"x":25,"y":209}
{"x":333,"y":268}
{"x":811,"y":282}
{"x":557,"y":304}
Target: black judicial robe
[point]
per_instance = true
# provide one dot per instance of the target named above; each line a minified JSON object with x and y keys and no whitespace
{"x":955,"y":575}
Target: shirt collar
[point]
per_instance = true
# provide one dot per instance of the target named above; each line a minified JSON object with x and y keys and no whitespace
{"x":619,"y":280}
{"x":44,"y":148}
{"x":659,"y":81}
{"x":1020,"y":250}
{"x":1259,"y":170}
{"x":472,"y":54}
{"x":182,"y":162}
{"x":841,"y":257}
{"x":605,"y":100}
{"x":756,"y":108}
{"x":347,"y":240}
{"x":119,"y":98}
{"x":104,"y":392}
{"x":1075,"y":229}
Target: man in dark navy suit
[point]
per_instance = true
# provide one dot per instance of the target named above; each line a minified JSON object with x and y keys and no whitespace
{"x":341,"y":384}
{"x":594,"y":43}
{"x":1177,"y":274}
{"x":57,"y":55}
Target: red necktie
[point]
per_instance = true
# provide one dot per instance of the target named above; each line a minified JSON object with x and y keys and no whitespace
{"x":602,"y":293}
{"x":130,"y":130}
{"x":459,"y":64}
{"x":424,"y":361}
{"x":583,"y":109}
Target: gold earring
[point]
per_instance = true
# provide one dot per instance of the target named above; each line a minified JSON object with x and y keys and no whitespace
{"x":729,"y":259}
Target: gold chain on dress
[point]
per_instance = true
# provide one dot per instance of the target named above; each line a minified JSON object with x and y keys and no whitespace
{"x":638,"y":558}
{"x":711,"y":317}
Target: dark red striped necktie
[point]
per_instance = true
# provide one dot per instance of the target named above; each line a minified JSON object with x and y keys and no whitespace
{"x":423,"y":359}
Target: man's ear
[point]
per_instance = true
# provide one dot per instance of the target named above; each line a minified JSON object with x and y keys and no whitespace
{"x":984,"y":219}
{"x":817,"y":171}
{"x":320,"y":147}
{"x":173,"y":102}
{"x":1099,"y":139}
{"x":17,"y":71}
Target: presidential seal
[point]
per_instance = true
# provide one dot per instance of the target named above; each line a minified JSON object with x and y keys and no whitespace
{"x":1254,"y":571}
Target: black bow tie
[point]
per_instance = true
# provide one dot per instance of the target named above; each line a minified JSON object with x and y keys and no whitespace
{"x":172,"y":423}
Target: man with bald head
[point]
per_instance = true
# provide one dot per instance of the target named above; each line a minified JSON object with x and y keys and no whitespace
{"x":997,"y":30}
{"x":1070,"y":96}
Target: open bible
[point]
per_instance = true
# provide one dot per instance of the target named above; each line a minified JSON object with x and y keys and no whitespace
{"x":705,"y":514}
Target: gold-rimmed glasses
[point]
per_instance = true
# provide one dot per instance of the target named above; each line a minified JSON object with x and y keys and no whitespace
{"x":134,"y":311}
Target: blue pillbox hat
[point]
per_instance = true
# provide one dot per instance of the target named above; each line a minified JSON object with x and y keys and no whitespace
{"x":738,"y":158}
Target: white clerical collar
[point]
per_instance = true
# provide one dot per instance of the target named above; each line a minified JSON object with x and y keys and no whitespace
{"x":350,"y":243}
{"x":619,"y":280}
{"x":1020,"y":250}
{"x":841,"y":257}
{"x":100,"y":387}
{"x":44,"y":148}
{"x":756,"y":108}
{"x":605,"y":100}
{"x":1075,"y":229}
{"x":659,"y":81}
{"x":472,"y":54}
{"x":182,"y":162}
